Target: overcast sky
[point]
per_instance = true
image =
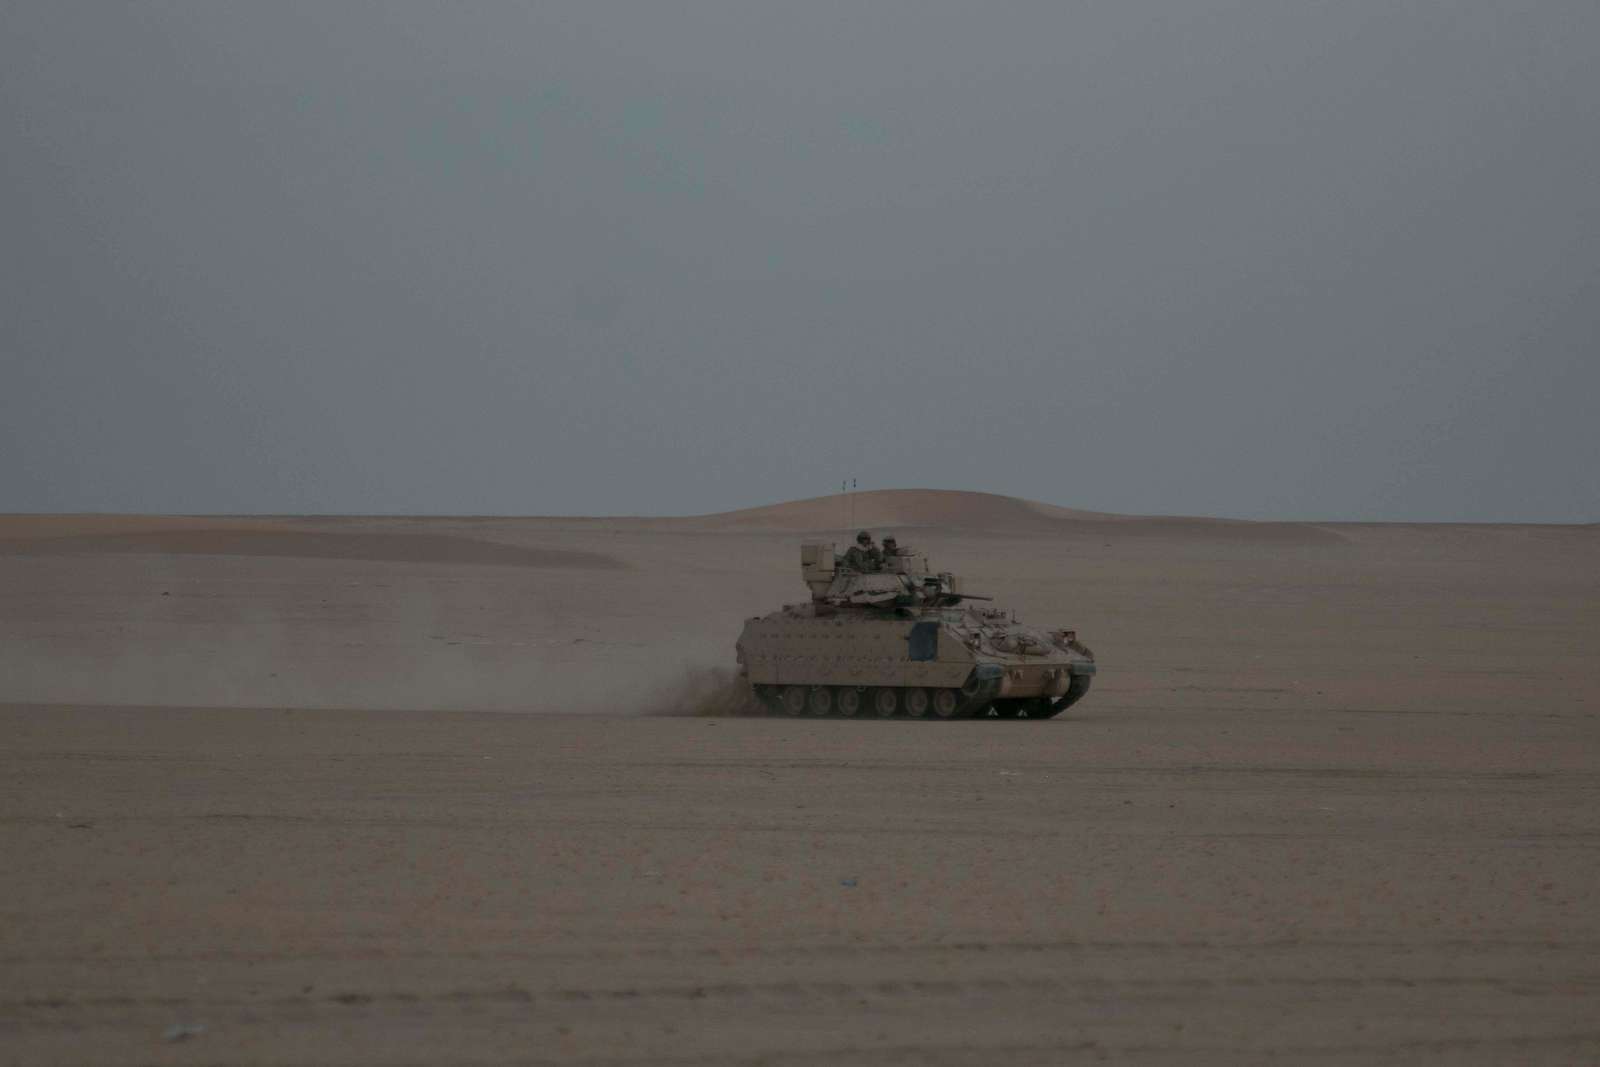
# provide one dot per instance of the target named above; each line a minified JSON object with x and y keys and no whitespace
{"x":1258,"y":259}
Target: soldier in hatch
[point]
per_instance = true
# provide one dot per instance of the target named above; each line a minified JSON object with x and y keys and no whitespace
{"x":891,"y":553}
{"x":863,"y":555}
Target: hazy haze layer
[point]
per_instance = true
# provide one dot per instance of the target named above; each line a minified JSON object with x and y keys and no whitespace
{"x":1250,"y":259}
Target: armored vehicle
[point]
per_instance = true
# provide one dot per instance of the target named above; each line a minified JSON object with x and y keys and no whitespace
{"x":902,"y":640}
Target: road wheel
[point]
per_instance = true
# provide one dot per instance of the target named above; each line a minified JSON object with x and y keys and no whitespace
{"x":885,"y":702}
{"x":847,"y":701}
{"x":945,"y":703}
{"x":917,"y":703}
{"x":794,"y":699}
{"x":820,"y":702}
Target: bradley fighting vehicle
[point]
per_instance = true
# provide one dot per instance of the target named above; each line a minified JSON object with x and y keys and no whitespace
{"x":904,"y":641}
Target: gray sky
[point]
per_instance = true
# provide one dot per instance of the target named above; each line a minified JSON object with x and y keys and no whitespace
{"x":1259,"y":259}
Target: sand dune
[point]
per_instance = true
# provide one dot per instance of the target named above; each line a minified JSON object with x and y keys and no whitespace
{"x":951,"y":509}
{"x":36,"y":527}
{"x":312,"y":544}
{"x":879,"y":509}
{"x":892,"y":507}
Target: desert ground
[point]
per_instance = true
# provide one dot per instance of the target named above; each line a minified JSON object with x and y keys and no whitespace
{"x":479,"y":791}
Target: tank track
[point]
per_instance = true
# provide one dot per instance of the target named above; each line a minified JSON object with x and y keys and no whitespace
{"x":870,"y":702}
{"x":975,"y":699}
{"x":1049,"y":709}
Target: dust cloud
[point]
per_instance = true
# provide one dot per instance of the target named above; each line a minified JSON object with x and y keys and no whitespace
{"x":708,"y":692}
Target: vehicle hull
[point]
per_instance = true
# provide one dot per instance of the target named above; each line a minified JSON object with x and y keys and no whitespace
{"x":802,"y":647}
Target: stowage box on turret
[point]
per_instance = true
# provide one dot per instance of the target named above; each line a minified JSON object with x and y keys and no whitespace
{"x":904,"y":641}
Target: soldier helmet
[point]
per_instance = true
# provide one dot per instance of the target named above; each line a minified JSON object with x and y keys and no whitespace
{"x":887,"y":541}
{"x":863,"y":538}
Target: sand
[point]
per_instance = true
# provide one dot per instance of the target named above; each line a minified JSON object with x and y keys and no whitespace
{"x":393,"y":790}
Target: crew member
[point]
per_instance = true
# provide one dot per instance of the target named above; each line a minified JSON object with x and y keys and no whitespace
{"x":863,"y":555}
